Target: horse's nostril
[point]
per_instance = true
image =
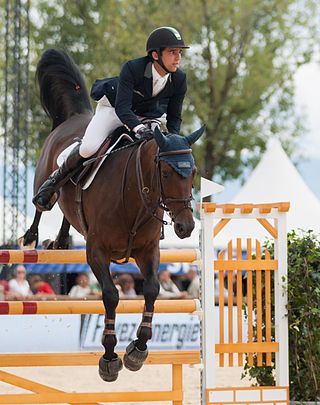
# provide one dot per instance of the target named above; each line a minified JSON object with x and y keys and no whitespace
{"x":181,"y":230}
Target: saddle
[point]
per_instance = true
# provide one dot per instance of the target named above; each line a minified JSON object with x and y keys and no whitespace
{"x":119,"y":139}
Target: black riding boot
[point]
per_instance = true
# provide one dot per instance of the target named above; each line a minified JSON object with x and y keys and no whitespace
{"x":48,"y":193}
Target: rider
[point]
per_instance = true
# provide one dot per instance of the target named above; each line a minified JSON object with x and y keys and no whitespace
{"x":147,"y":88}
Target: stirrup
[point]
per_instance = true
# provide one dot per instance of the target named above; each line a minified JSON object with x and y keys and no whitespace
{"x":49,"y":205}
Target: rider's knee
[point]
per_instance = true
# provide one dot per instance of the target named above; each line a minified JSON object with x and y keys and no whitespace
{"x":88,"y":149}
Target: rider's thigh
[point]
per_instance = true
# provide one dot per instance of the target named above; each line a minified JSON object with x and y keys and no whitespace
{"x":102,"y":124}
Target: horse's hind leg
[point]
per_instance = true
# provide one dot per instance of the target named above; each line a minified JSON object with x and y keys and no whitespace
{"x":30,"y":239}
{"x":110,"y":363}
{"x":62,"y":241}
{"x":137,"y":351}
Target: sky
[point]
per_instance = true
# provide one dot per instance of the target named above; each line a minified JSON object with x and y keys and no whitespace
{"x":307,"y":100}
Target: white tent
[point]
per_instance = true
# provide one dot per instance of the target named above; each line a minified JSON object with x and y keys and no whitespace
{"x":275,"y":179}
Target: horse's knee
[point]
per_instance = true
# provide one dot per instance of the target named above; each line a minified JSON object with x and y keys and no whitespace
{"x":110,"y":296}
{"x":151,"y":288}
{"x":88,"y":149}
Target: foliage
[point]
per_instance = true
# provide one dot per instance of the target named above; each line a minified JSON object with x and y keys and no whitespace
{"x":303,"y":320}
{"x":240,"y":66}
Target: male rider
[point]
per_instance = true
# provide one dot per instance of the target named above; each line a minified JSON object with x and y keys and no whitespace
{"x":147,"y":88}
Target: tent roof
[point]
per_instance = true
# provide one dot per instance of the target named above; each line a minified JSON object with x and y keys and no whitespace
{"x":275,"y":179}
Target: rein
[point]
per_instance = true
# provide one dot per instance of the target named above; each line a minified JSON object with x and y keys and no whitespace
{"x":144,"y":191}
{"x":163,"y":201}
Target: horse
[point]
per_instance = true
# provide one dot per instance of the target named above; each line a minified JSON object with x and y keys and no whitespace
{"x":124,"y":206}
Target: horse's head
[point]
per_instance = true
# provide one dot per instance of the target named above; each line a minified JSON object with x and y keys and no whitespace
{"x":176,"y":172}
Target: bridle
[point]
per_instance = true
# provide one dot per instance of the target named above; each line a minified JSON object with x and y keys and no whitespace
{"x":144,"y":192}
{"x":163,"y":200}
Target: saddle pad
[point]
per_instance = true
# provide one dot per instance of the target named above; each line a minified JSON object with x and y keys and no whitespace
{"x":65,"y":153}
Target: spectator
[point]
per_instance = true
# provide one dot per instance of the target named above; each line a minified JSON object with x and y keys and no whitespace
{"x":94,"y":286}
{"x":82,"y":288}
{"x":194,"y":286}
{"x":4,"y":289}
{"x":2,"y":295}
{"x":126,"y":283}
{"x":168,"y":288}
{"x":40,"y":287}
{"x":19,"y":287}
{"x":216,"y":289}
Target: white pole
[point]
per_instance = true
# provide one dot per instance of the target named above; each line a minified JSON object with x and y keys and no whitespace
{"x":281,"y":301}
{"x":207,"y":300}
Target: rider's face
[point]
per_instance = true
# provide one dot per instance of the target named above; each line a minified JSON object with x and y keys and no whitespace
{"x":171,"y":58}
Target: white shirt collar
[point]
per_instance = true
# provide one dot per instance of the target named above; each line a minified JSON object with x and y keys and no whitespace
{"x":157,"y":76}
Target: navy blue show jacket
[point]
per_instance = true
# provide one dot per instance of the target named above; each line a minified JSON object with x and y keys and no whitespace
{"x":131,"y":94}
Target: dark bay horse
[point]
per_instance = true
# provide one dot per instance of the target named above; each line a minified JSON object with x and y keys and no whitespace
{"x":123,"y":207}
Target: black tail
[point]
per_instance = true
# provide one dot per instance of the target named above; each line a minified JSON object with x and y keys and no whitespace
{"x":62,"y":87}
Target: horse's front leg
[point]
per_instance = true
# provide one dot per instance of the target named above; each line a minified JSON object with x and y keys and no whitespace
{"x":110,"y":363}
{"x":137,"y":351}
{"x":30,"y":239}
{"x":62,"y":241}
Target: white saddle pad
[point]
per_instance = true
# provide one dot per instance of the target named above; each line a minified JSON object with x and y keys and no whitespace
{"x":65,"y":153}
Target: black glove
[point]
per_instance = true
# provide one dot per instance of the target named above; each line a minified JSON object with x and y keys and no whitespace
{"x":144,"y":132}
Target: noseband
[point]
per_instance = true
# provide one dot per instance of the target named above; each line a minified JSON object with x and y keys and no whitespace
{"x":163,"y":203}
{"x":163,"y":200}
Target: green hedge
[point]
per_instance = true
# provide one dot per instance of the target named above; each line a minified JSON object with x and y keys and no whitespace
{"x":303,"y":320}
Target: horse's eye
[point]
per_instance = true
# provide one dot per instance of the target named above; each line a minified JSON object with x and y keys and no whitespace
{"x":165,"y":174}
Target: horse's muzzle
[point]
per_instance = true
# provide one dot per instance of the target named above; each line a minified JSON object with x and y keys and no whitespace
{"x":183,"y":229}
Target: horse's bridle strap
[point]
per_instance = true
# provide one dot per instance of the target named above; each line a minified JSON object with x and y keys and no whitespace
{"x":175,"y":152}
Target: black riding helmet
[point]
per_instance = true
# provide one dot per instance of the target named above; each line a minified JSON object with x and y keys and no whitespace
{"x":164,"y":37}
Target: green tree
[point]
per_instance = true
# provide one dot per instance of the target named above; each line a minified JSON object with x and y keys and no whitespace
{"x":240,"y":75}
{"x":240,"y":67}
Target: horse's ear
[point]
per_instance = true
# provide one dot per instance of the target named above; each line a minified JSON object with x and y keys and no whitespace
{"x":160,"y":138}
{"x":192,"y":138}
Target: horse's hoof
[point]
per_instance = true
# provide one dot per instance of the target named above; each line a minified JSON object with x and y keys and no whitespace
{"x":23,"y":246}
{"x":134,"y":358}
{"x":62,"y":243}
{"x":47,"y":244}
{"x":109,"y":369}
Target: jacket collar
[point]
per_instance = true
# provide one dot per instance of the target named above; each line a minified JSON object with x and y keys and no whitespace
{"x":148,"y":70}
{"x":149,"y":82}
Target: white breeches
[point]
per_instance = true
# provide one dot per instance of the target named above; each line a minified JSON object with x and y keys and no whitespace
{"x":102,"y":124}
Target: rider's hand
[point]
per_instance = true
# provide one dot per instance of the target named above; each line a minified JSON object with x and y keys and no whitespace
{"x":144,"y":132}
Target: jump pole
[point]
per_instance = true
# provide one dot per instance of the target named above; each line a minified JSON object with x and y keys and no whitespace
{"x":35,"y":256}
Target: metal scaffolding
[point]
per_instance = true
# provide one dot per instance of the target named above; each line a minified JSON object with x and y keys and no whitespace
{"x":14,"y":142}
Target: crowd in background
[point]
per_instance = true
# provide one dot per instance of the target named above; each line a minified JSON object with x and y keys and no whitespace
{"x":22,"y":286}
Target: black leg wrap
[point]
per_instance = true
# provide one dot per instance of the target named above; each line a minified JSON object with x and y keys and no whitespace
{"x":109,"y":369}
{"x":62,"y":242}
{"x":134,"y":358}
{"x":31,"y":237}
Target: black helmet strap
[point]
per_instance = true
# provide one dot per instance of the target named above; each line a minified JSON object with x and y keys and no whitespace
{"x":160,"y":61}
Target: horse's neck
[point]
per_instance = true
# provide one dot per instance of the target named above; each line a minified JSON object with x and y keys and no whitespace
{"x":148,"y":161}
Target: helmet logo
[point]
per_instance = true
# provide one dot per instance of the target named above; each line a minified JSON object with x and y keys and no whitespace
{"x":174,"y":32}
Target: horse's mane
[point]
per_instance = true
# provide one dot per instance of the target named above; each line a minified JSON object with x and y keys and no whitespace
{"x":62,"y":87}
